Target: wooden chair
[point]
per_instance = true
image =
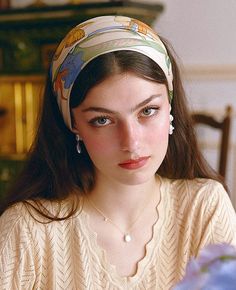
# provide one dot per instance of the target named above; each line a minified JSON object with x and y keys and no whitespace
{"x":224,"y":127}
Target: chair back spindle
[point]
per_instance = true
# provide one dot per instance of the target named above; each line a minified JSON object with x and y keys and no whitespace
{"x":224,"y":127}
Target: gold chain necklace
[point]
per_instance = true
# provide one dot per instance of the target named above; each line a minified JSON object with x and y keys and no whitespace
{"x":126,"y":234}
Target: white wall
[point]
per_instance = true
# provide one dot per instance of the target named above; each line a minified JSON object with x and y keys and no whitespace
{"x":203,"y":31}
{"x":203,"y":34}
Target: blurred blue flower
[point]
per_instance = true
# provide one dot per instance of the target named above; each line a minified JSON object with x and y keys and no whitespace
{"x":214,"y":269}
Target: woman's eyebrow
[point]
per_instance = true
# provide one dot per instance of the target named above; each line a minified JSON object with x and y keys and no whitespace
{"x":104,"y":110}
{"x":145,"y":102}
{"x":98,"y":109}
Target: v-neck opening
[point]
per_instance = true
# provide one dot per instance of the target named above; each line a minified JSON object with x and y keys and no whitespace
{"x":149,"y":246}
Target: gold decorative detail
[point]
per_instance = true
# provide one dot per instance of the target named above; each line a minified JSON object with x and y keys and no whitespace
{"x":18,"y":117}
{"x":29,"y":113}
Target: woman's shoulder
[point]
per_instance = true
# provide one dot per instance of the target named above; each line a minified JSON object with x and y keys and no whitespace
{"x":196,"y":193}
{"x":202,"y":202}
{"x":17,"y":218}
{"x":13,"y":226}
{"x":13,"y":215}
{"x":196,"y":186}
{"x":29,"y":216}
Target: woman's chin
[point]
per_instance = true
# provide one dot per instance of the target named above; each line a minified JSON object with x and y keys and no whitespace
{"x":136,"y":179}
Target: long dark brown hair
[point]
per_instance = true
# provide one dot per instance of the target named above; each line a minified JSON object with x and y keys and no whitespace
{"x":54,"y":170}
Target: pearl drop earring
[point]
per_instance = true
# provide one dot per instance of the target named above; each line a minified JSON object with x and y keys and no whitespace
{"x":171,"y":129}
{"x":78,"y":147}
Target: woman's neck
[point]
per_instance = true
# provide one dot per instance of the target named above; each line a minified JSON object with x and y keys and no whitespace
{"x":123,"y":203}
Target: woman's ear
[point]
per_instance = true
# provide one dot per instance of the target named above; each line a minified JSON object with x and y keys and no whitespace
{"x":75,"y":130}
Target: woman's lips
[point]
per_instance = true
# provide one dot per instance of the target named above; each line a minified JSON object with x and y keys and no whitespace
{"x":134,"y":163}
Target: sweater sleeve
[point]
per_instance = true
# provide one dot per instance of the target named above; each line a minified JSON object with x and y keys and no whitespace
{"x":16,"y":252}
{"x":219,"y":218}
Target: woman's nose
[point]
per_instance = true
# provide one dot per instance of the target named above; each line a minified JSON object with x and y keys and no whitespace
{"x":130,"y":137}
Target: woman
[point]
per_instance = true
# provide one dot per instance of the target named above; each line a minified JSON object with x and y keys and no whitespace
{"x":115,"y":193}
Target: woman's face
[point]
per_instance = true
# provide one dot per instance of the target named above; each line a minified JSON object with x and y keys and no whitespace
{"x":124,"y":125}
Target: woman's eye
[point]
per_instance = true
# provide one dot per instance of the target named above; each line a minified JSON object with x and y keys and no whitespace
{"x":149,"y":111}
{"x":100,"y":121}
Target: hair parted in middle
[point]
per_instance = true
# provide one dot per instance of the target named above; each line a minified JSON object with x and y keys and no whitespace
{"x":183,"y":159}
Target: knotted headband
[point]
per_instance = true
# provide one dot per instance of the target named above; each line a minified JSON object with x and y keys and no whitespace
{"x":99,"y":36}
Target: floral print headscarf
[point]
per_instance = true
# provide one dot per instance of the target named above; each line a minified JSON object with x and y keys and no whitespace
{"x":97,"y":36}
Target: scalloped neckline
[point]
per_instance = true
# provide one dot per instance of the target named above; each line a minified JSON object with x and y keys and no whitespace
{"x":149,"y":247}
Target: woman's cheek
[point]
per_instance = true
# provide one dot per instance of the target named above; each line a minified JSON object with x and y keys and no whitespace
{"x":159,"y":131}
{"x":99,"y":145}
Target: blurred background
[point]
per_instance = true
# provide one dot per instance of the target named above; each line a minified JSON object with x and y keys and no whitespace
{"x":202,"y":33}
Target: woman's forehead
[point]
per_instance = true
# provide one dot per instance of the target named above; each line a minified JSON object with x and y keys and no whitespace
{"x":124,"y":89}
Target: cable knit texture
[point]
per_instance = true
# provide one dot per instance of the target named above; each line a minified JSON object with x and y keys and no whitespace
{"x":65,"y":254}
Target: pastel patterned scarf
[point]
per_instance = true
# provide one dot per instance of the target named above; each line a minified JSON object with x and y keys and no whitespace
{"x":99,"y":36}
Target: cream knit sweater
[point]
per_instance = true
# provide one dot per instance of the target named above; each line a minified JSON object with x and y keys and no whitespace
{"x":65,"y":254}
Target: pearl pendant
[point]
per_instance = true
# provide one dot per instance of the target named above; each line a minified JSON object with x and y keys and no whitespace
{"x":127,"y":238}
